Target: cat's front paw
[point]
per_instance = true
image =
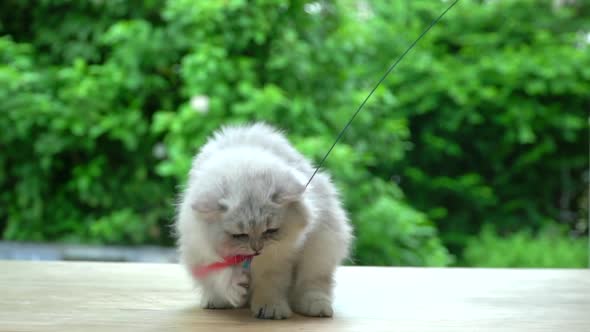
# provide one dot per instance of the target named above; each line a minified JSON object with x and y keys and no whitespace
{"x":214,"y":301}
{"x":314,"y":304}
{"x":271,"y":310}
{"x":237,"y":293}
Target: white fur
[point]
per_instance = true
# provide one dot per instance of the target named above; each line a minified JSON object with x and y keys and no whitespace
{"x":249,"y":179}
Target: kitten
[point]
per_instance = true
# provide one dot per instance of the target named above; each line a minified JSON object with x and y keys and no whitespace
{"x":246,"y":195}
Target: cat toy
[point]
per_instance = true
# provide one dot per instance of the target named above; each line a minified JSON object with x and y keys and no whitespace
{"x":203,"y":271}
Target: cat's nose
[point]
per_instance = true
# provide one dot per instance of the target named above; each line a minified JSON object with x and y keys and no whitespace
{"x":256,"y":246}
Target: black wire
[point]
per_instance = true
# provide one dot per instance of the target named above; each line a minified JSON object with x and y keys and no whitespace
{"x":375,"y":88}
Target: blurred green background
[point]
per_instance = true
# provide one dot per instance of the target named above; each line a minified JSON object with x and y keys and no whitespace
{"x":474,"y":152}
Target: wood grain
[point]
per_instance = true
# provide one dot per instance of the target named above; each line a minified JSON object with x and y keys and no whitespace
{"x":62,"y":296}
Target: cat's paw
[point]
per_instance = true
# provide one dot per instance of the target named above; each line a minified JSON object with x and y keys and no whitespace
{"x":237,"y":292}
{"x":315,"y":304}
{"x":271,"y":310}
{"x":215,"y":303}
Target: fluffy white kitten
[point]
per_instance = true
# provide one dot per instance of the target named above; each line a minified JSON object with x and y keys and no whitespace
{"x":246,"y":195}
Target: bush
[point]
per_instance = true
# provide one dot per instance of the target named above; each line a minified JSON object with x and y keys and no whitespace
{"x":497,"y":100}
{"x":404,"y":237}
{"x":77,"y":161}
{"x":104,"y":103}
{"x":549,"y":249}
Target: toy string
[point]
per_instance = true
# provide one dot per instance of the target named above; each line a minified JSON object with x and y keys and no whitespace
{"x":399,"y":59}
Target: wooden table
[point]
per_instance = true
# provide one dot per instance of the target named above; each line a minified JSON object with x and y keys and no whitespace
{"x":60,"y":296}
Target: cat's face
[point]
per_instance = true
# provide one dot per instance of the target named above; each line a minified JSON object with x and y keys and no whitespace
{"x":250,"y":226}
{"x":244,"y":218}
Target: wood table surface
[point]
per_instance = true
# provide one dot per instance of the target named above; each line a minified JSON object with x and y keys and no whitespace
{"x":80,"y":296}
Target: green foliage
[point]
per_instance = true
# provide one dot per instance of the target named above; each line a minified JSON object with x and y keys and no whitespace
{"x":484,"y":123}
{"x":548,"y":249}
{"x":77,"y":150}
{"x":405,"y":238}
{"x":497,"y":101}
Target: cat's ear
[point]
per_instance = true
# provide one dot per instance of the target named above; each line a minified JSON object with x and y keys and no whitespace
{"x":288,"y":192}
{"x":209,"y":206}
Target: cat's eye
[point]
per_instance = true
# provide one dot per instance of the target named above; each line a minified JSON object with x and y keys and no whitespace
{"x":240,"y":236}
{"x":271,"y":231}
